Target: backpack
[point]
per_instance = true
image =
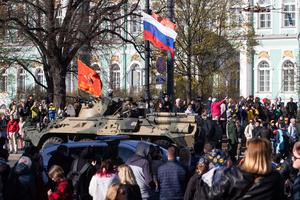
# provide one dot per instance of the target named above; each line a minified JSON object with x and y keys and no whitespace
{"x":74,"y":177}
{"x":11,"y":188}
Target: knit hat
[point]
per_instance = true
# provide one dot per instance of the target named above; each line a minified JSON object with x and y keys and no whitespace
{"x":294,"y":134}
{"x":286,"y":119}
{"x":217,"y":157}
{"x":265,"y":100}
{"x":3,"y":162}
{"x":214,"y":100}
{"x":292,"y":120}
{"x":203,"y":160}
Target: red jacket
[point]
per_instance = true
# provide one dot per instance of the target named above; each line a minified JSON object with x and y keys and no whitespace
{"x":215,"y":108}
{"x":12,"y":127}
{"x":62,"y":191}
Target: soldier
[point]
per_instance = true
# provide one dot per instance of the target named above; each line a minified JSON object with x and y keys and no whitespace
{"x":129,"y":109}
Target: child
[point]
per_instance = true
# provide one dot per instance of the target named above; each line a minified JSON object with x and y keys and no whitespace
{"x":190,"y":109}
{"x":63,"y":189}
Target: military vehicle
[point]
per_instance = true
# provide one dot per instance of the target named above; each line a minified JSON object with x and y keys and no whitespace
{"x":101,"y":118}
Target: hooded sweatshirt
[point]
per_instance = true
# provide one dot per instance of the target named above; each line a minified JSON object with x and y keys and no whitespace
{"x":142,"y":169}
{"x":100,"y":184}
{"x":27,"y":184}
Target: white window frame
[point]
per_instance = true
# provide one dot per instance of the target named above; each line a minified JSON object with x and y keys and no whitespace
{"x":266,"y":89}
{"x":281,"y":75}
{"x":115,"y":76}
{"x":21,"y":76}
{"x":39,"y":73}
{"x":285,"y":13}
{"x":267,"y":16}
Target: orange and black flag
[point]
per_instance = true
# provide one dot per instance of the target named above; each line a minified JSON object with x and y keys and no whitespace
{"x":89,"y":80}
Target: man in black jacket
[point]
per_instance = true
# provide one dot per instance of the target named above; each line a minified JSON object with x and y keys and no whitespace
{"x":291,"y":108}
{"x":265,"y":132}
{"x":198,"y":106}
{"x":256,"y":130}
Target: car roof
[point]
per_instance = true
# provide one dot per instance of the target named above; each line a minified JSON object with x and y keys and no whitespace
{"x":70,"y":144}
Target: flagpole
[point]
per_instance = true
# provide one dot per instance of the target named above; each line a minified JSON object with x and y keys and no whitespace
{"x":170,"y":61}
{"x":147,"y":60}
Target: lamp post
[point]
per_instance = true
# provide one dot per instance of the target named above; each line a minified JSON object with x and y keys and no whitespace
{"x":147,"y":60}
{"x":170,"y":61}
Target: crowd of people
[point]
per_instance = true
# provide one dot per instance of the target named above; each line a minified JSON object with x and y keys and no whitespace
{"x":268,"y":169}
{"x":23,"y":114}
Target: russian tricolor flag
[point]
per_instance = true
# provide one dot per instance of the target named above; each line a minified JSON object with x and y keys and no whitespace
{"x":161,"y":36}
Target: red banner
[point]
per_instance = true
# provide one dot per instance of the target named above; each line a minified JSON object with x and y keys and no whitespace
{"x":88,"y":80}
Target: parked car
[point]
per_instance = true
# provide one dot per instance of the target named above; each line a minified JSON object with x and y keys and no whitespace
{"x":126,"y":148}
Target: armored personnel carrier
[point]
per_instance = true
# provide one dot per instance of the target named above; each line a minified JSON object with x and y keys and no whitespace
{"x":100,"y":118}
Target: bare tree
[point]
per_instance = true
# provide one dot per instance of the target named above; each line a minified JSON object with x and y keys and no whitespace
{"x":53,"y":32}
{"x":210,"y":35}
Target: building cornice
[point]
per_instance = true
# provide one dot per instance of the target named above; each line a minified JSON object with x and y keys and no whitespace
{"x":277,"y":36}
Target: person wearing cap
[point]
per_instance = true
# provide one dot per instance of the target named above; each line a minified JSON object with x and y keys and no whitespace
{"x":12,"y":131}
{"x":292,"y":127}
{"x":52,"y":111}
{"x":286,"y":122}
{"x":178,"y":108}
{"x":129,"y":109}
{"x":110,"y":93}
{"x":283,"y":141}
{"x":196,"y":179}
{"x":167,"y":105}
{"x":215,"y":107}
{"x":291,"y":108}
{"x":255,"y":179}
{"x":163,"y":94}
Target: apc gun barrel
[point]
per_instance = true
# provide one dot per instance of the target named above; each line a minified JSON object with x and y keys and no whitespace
{"x":168,"y":120}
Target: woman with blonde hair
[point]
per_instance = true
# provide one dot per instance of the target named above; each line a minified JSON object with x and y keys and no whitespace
{"x":128,"y":180}
{"x":116,"y":192}
{"x":255,"y":179}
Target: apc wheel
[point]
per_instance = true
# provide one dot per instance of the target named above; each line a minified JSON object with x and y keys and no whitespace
{"x":52,"y":140}
{"x":163,"y":143}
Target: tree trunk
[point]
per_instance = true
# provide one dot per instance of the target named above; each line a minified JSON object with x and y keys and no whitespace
{"x":58,"y":74}
{"x":189,"y":80}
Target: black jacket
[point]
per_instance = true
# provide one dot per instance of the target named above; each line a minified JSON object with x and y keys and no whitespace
{"x":133,"y":192}
{"x":198,"y":107}
{"x":86,"y":156}
{"x":287,"y":170}
{"x":192,"y":186}
{"x":234,"y":182}
{"x":61,"y":160}
{"x":256,"y":131}
{"x":291,"y":108}
{"x":266,"y":133}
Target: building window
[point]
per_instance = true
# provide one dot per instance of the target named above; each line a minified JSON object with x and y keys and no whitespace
{"x":264,"y":20}
{"x":134,"y":76}
{"x":288,"y":76}
{"x":115,"y":76}
{"x":289,"y":14}
{"x":236,"y":17}
{"x":3,"y":80}
{"x":40,"y":78}
{"x":21,"y":80}
{"x":264,"y":76}
{"x":136,"y":23}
